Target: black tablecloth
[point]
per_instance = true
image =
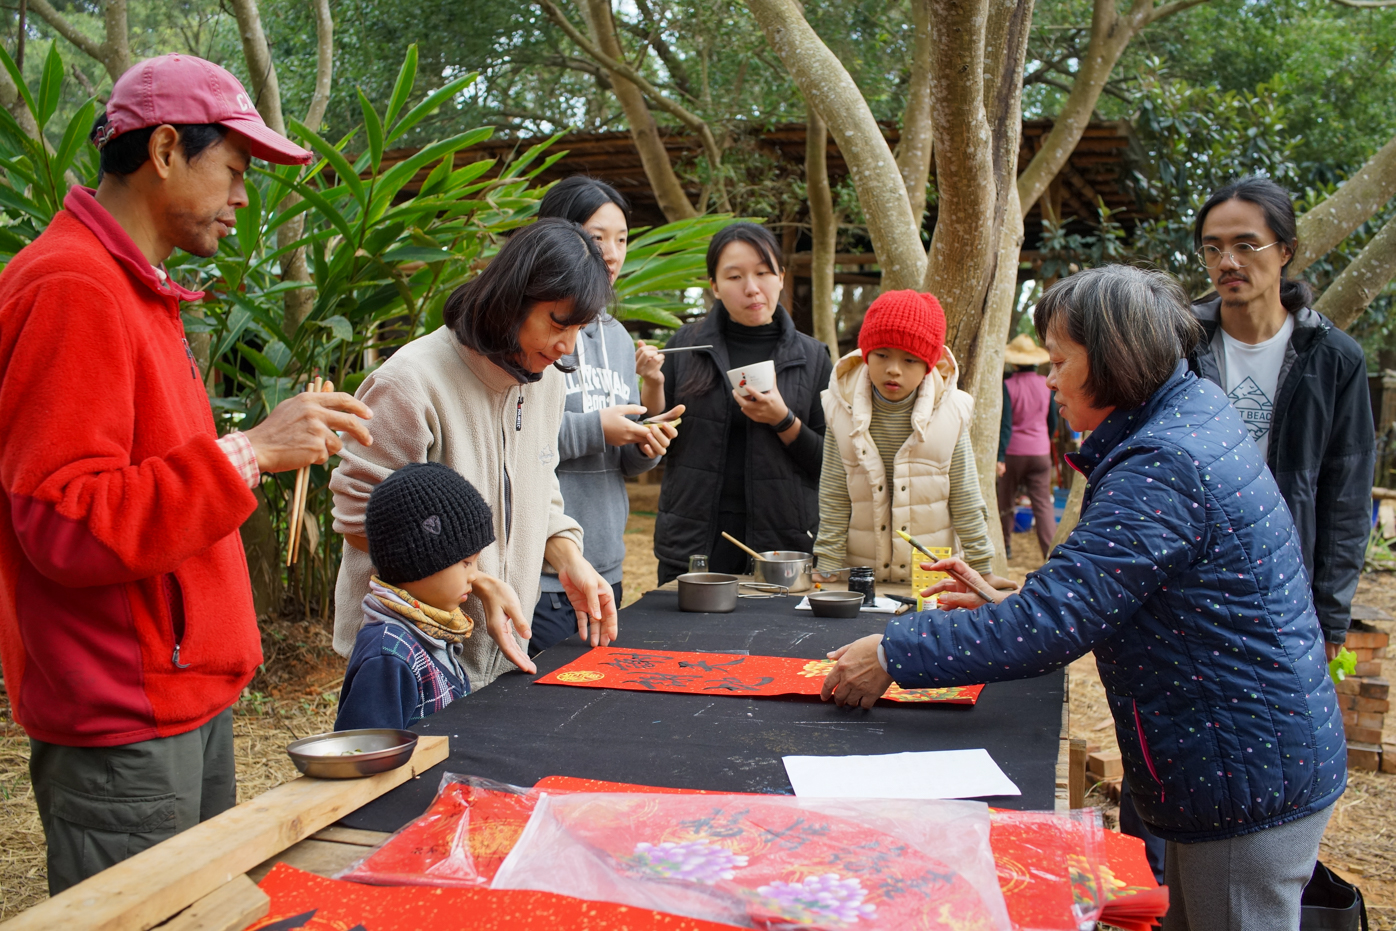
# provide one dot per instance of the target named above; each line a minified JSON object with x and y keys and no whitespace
{"x":517,"y":732}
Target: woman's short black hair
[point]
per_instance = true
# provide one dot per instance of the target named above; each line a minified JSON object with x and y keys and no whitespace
{"x":550,"y":260}
{"x":579,"y":197}
{"x":126,"y":153}
{"x":1278,"y":207}
{"x":754,"y":235}
{"x":1135,"y":325}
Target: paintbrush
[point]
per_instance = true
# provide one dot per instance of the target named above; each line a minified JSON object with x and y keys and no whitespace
{"x":981,"y":589}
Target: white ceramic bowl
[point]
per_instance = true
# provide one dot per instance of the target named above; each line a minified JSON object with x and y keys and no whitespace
{"x":759,"y":377}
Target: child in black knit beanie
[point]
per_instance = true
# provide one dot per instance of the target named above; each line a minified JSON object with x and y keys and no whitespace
{"x":426,"y":526}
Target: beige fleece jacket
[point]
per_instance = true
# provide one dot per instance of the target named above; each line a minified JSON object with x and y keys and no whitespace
{"x":435,"y":400}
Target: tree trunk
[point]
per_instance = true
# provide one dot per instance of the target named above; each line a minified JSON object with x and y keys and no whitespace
{"x":916,"y":148}
{"x":1362,"y":280}
{"x":1330,"y":222}
{"x":261,"y":71}
{"x":823,"y":230}
{"x":1072,"y":512}
{"x":12,"y":101}
{"x":831,"y":91}
{"x":654,"y":157}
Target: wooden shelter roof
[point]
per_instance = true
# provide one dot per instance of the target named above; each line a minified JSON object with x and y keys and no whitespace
{"x":1098,"y":168}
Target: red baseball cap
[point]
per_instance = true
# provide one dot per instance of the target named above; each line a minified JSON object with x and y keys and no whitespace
{"x":184,"y":89}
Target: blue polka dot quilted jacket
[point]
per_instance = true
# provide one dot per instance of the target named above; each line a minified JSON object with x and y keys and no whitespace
{"x":1185,"y":577}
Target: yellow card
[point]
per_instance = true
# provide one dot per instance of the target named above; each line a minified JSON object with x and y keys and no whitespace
{"x":921,"y":579}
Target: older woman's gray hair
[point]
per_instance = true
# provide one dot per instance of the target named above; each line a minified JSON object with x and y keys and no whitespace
{"x":1135,"y":325}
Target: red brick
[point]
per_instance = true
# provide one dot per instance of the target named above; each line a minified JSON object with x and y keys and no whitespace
{"x":1363,"y":735}
{"x":1359,"y":703}
{"x":1374,"y":688}
{"x":1371,"y":719}
{"x":1364,"y":756}
{"x":1349,"y":702}
{"x":1370,"y":639}
{"x":1363,"y":655}
{"x":1349,"y":719}
{"x":1380,"y":652}
{"x":1351,"y":686}
{"x":1388,"y":758}
{"x":1369,"y":668}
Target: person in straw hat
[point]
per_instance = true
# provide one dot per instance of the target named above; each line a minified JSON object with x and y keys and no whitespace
{"x":1028,"y":459}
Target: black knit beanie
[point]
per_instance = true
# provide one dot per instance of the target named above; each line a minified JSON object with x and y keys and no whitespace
{"x":424,"y":518}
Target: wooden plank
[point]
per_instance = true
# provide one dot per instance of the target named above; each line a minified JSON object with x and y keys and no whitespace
{"x":1061,"y":802}
{"x":323,"y":858}
{"x":231,"y":907}
{"x":351,"y":836}
{"x":1077,"y":776}
{"x":143,"y":891}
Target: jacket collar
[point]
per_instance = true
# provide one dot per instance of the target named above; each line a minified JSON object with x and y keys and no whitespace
{"x":82,"y":204}
{"x":1116,"y":428}
{"x":851,"y":387}
{"x":712,"y":330}
{"x":1308,"y":323}
{"x":495,"y":379}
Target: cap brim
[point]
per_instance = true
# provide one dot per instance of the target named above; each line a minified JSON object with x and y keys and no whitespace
{"x":267,"y":144}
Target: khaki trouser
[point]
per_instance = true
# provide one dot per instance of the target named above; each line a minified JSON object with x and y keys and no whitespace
{"x":100,"y":805}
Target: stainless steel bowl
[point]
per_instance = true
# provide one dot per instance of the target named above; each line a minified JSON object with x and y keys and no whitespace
{"x":709,"y":592}
{"x":352,"y":754}
{"x":786,"y":567}
{"x":835,"y":604}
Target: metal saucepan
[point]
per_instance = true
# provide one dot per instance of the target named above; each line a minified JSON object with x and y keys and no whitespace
{"x":788,"y":568}
{"x":708,"y":592}
{"x":352,"y":754}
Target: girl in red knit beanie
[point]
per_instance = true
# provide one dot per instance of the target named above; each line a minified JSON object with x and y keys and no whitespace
{"x":897,"y":454}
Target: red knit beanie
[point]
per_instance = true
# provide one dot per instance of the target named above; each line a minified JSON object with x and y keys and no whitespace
{"x":905,"y":320}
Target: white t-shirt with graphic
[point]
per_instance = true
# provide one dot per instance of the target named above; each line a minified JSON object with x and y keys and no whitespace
{"x":1252,"y":379}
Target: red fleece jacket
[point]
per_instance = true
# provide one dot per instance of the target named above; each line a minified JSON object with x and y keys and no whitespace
{"x":125,"y":605}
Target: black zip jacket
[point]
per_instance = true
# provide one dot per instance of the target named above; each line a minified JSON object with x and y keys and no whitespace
{"x":1322,"y":452}
{"x":782,"y":483}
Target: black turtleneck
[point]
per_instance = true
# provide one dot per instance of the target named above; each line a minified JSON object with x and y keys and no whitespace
{"x":746,"y":345}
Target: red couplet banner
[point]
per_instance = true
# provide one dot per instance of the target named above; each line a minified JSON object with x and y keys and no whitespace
{"x":721,"y":674}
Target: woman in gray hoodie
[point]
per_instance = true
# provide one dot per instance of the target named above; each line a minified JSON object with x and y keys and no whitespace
{"x":599,"y":443}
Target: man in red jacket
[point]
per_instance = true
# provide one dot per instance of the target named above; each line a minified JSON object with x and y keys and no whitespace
{"x":126,"y":622}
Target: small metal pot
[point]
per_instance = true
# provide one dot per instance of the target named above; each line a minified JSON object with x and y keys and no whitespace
{"x":835,"y":604}
{"x":793,"y":570}
{"x":707,"y":592}
{"x":352,"y":754}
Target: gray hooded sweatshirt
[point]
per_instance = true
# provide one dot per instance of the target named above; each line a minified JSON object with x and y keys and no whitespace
{"x":591,"y":473}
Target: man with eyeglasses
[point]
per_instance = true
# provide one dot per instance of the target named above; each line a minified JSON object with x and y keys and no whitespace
{"x":1298,"y":381}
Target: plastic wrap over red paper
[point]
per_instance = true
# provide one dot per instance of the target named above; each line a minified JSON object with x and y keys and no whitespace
{"x":769,"y":862}
{"x":461,"y":840}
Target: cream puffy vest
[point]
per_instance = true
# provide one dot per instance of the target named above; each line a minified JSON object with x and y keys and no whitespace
{"x":917,"y":499}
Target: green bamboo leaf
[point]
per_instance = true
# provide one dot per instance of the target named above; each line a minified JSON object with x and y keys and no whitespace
{"x":249,"y":222}
{"x":18,"y":77}
{"x":429,"y":106}
{"x":417,"y":254}
{"x":518,"y":165}
{"x":259,"y":361}
{"x":74,"y":137}
{"x":647,"y":314}
{"x":406,"y":77}
{"x":339,"y":326}
{"x":50,"y":86}
{"x":9,"y":242}
{"x":394,"y":178}
{"x":373,"y":128}
{"x":320,"y":203}
{"x":342,"y":168}
{"x":13,"y":199}
{"x":12,"y":137}
{"x":436,"y":180}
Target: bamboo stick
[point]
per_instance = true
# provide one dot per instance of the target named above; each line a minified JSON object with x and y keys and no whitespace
{"x":301,"y":492}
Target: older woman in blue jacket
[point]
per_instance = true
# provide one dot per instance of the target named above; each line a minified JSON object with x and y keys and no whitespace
{"x":1186,"y":578}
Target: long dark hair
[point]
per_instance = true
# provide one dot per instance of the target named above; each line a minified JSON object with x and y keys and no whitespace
{"x":551,"y":260}
{"x":1279,"y":216}
{"x":579,"y":197}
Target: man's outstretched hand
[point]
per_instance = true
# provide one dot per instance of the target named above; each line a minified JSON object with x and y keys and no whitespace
{"x":304,"y":430}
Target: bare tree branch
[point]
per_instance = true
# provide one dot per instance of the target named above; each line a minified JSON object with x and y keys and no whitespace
{"x":824,"y":228}
{"x":628,"y":86}
{"x":114,"y":54}
{"x":1111,"y":33}
{"x":828,"y":87}
{"x":916,"y":147}
{"x":324,"y":64}
{"x":1362,"y":280}
{"x":1330,"y":222}
{"x":266,"y":90}
{"x":651,"y":34}
{"x":1366,"y":4}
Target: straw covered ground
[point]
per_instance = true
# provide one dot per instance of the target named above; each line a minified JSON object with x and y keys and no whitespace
{"x":295,"y":695}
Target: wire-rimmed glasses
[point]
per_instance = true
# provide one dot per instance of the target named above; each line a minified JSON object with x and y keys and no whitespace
{"x":1241,"y":253}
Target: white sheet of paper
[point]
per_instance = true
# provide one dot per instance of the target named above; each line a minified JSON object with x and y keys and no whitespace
{"x":924,"y":774}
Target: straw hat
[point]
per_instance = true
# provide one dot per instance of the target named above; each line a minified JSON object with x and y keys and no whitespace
{"x":1023,"y":351}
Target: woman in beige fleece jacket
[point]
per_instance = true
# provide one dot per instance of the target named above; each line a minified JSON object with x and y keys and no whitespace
{"x":481,"y":395}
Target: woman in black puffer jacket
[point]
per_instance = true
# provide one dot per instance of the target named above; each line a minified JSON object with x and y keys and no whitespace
{"x":745,"y":465}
